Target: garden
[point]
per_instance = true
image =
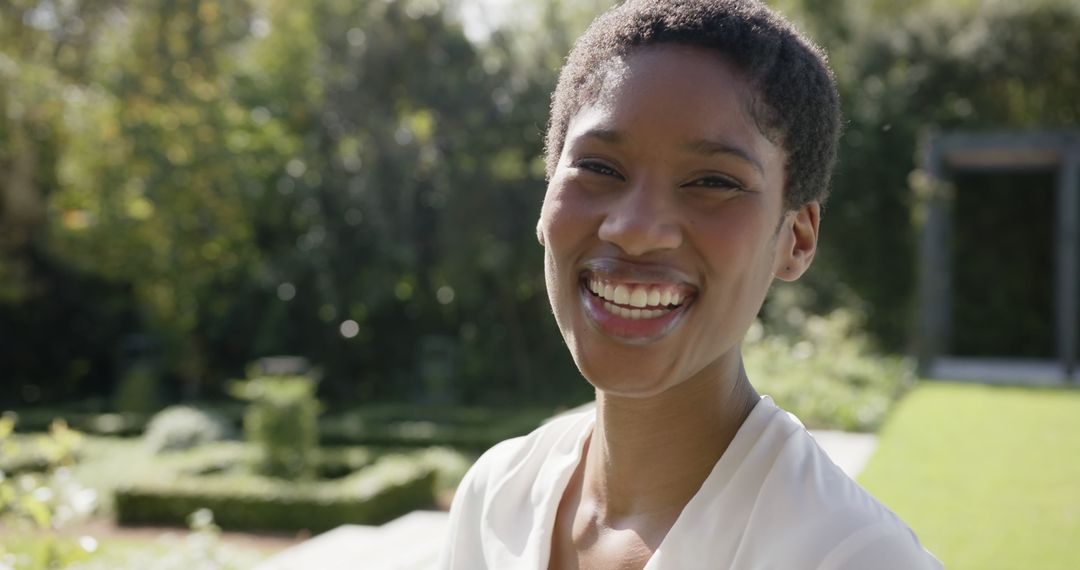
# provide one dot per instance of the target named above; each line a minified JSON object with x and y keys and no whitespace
{"x":201,"y":467}
{"x":270,"y":267}
{"x":273,"y":461}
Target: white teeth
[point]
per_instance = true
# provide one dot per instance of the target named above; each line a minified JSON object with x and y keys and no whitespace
{"x":636,"y":297}
{"x":621,"y":295}
{"x":633,"y":314}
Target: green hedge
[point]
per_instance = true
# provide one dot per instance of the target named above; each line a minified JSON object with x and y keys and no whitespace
{"x":23,"y":461}
{"x":460,"y":427}
{"x":96,"y":417}
{"x":118,"y":424}
{"x":397,"y":425}
{"x":391,"y":487}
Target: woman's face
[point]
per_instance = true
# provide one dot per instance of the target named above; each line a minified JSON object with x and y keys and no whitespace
{"x":663,"y":223}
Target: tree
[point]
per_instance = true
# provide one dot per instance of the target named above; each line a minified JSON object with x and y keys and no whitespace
{"x":154,"y":182}
{"x":989,"y":65}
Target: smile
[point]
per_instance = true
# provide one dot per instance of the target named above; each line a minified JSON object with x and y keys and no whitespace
{"x":634,"y":312}
{"x":636,"y":302}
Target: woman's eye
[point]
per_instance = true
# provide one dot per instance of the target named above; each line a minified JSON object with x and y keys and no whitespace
{"x":598,"y":168}
{"x":717,"y":182}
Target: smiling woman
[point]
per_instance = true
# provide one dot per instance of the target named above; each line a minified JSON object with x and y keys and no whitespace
{"x":689,"y":152}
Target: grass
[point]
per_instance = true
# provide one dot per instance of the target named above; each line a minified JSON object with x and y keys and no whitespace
{"x":989,"y":477}
{"x":97,"y":469}
{"x":167,"y":551}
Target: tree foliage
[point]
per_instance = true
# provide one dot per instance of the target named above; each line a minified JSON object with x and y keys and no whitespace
{"x":358,"y":181}
{"x":351,"y":181}
{"x":938,"y":67}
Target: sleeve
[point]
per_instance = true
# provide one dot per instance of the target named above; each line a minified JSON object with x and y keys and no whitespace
{"x":882,"y":547}
{"x":463,"y":547}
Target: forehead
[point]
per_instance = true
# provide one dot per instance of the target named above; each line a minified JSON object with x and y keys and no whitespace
{"x":675,"y":93}
{"x":671,"y":64}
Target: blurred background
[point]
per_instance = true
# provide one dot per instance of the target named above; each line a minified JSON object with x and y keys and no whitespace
{"x":262,"y":250}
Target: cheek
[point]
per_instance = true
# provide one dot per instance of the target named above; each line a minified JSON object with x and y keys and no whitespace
{"x":735,"y":238}
{"x":564,"y":218}
{"x":563,"y":227}
{"x":741,"y":253}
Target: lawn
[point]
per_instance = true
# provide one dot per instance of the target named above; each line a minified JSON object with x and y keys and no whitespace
{"x":989,"y":477}
{"x":171,"y":550}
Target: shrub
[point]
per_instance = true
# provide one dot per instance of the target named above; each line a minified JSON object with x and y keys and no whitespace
{"x":17,"y":459}
{"x":182,"y":427}
{"x":139,"y":390}
{"x":282,"y":419}
{"x":824,"y":371}
{"x":471,"y":428}
{"x":391,"y":487}
{"x":449,"y":465}
{"x":91,"y":423}
{"x":42,"y":501}
{"x":341,"y":461}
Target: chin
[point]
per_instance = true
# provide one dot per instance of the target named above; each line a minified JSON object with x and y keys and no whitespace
{"x":625,"y":381}
{"x":635,"y":392}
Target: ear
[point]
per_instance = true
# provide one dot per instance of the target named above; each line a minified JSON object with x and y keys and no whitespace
{"x":539,"y":232}
{"x":797,"y":241}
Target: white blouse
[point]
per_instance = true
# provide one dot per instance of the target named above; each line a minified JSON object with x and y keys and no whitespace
{"x":774,"y":500}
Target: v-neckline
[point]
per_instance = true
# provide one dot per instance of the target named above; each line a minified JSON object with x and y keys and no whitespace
{"x":550,"y":510}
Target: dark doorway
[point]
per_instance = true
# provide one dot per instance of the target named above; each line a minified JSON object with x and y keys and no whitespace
{"x":1003,"y":253}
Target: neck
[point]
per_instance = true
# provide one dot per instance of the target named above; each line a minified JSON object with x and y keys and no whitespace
{"x":649,"y":456}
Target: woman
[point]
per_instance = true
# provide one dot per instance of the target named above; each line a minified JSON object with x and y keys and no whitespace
{"x":689,"y":151}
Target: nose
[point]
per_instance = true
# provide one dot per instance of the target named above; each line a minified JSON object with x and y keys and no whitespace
{"x":642,"y":219}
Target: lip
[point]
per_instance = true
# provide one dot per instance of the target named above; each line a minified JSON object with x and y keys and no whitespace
{"x":633,"y":331}
{"x":641,"y":273}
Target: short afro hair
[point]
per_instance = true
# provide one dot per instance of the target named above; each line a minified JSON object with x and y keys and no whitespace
{"x":795,"y":101}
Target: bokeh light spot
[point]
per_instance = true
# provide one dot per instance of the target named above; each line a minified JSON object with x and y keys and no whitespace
{"x":349,"y":328}
{"x":286,"y":291}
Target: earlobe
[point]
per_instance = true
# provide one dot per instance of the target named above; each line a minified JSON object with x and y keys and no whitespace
{"x":798,"y":241}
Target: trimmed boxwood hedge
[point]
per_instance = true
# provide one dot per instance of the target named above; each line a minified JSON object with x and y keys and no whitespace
{"x":474,"y":429}
{"x":118,"y":424}
{"x":393,"y":486}
{"x":396,"y":425}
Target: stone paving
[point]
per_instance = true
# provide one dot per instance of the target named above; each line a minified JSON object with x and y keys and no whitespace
{"x":407,"y":543}
{"x":849,"y":451}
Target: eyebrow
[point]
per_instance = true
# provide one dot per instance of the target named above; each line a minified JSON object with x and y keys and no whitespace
{"x":606,"y":135}
{"x":709,"y":148}
{"x":703,"y":146}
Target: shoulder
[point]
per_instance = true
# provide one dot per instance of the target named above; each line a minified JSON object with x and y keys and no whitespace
{"x":884,"y":546}
{"x":524,"y":457}
{"x":823,"y":514}
{"x":506,"y":492}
